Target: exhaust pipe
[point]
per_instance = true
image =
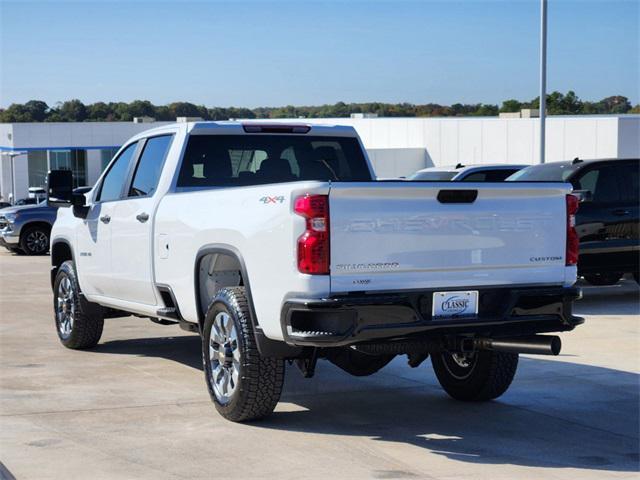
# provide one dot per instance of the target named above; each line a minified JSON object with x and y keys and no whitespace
{"x":536,"y":344}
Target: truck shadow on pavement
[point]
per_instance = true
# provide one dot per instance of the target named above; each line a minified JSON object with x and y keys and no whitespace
{"x":557,"y":414}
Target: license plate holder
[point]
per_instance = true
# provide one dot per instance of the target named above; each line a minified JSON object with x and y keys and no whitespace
{"x":454,"y":304}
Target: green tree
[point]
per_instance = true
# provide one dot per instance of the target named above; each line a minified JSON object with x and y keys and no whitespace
{"x":142,"y":108}
{"x":511,"y":106}
{"x":37,"y":110}
{"x":615,"y":104}
{"x":73,"y":111}
{"x":99,"y":112}
{"x":186,"y":109}
{"x":486,"y":110}
{"x":15,"y":113}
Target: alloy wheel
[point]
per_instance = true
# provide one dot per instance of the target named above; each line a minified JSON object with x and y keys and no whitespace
{"x":65,"y":307}
{"x":459,"y":365}
{"x":37,"y":241}
{"x":224,"y":357}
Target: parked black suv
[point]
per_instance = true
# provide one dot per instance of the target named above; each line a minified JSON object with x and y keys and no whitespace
{"x":608,"y":220}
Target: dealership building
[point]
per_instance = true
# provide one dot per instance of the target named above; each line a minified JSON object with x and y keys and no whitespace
{"x":396,"y":146}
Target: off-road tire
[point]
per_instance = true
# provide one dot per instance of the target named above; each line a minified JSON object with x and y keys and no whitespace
{"x":28,"y":246}
{"x":88,"y":319}
{"x":260,"y":378}
{"x":604,"y":279}
{"x":489,"y":376}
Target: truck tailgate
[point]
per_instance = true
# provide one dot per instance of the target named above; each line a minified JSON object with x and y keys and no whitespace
{"x":407,"y":235}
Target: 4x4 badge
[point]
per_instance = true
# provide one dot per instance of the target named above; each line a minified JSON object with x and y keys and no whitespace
{"x":266,"y":200}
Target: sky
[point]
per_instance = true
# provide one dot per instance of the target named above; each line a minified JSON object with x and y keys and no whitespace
{"x":264,"y":53}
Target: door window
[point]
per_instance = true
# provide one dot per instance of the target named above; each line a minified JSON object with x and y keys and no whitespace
{"x":145,"y":179}
{"x":629,"y":181}
{"x":115,"y":178}
{"x":602,"y":183}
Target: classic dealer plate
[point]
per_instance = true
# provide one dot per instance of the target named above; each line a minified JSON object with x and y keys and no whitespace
{"x":455,"y":304}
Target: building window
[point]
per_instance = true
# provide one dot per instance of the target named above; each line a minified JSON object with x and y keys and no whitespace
{"x":106,"y":154}
{"x":74,"y":160}
{"x":37,"y":168}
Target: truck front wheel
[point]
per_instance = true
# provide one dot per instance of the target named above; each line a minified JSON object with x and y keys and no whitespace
{"x":243,"y":385}
{"x":478,"y":376}
{"x":35,"y":241}
{"x":78,"y":322}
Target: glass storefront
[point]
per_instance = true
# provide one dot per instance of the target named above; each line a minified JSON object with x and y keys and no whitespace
{"x":37,"y":168}
{"x":106,"y":154}
{"x":38,"y":165}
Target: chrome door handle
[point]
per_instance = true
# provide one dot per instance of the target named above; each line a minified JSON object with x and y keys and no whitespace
{"x":142,"y":217}
{"x":105,"y":219}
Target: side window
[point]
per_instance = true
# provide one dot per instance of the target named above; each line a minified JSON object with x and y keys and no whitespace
{"x":113,"y":182}
{"x":588,"y":181}
{"x":603,"y":184}
{"x":499,"y":175}
{"x":147,"y":174}
{"x":629,"y":175}
{"x":475,"y":177}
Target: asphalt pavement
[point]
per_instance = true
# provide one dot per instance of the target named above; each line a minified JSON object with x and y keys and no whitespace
{"x":136,"y":406}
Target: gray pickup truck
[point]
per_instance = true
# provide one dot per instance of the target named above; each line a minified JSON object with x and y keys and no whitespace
{"x":26,"y":228}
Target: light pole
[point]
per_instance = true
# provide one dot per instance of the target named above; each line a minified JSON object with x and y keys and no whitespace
{"x":12,"y":155}
{"x":543,"y":76}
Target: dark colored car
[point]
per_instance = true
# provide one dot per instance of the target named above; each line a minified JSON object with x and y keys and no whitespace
{"x":608,"y":220}
{"x":29,"y":201}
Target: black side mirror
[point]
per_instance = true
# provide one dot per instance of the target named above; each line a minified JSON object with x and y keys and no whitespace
{"x":60,"y":188}
{"x":584,"y":196}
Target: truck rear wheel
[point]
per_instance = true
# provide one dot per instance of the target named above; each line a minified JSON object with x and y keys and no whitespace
{"x":478,"y":376}
{"x":78,"y":325}
{"x":243,"y":385}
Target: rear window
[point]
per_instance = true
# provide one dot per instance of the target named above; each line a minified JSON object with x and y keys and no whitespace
{"x":490,"y":175}
{"x":543,"y":173}
{"x":229,"y":160}
{"x":436,"y":176}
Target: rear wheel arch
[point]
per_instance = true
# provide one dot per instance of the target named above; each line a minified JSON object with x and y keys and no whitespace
{"x":226,"y":263}
{"x":230,"y":260}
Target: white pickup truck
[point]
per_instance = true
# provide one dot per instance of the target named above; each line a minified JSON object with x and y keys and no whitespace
{"x":275,"y":244}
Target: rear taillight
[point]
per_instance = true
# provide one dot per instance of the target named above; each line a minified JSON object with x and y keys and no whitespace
{"x":573,"y":242}
{"x":313,"y":244}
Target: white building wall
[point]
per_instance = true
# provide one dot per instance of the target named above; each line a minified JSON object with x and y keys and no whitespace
{"x":86,"y":134}
{"x":629,"y":138}
{"x":397,"y":146}
{"x":94,"y":166}
{"x":467,"y":140}
{"x":395,"y":162}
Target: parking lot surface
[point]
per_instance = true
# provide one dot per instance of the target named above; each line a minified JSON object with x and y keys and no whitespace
{"x":137,"y":406}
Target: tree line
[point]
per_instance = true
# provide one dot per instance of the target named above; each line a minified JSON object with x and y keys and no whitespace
{"x":76,"y":111}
